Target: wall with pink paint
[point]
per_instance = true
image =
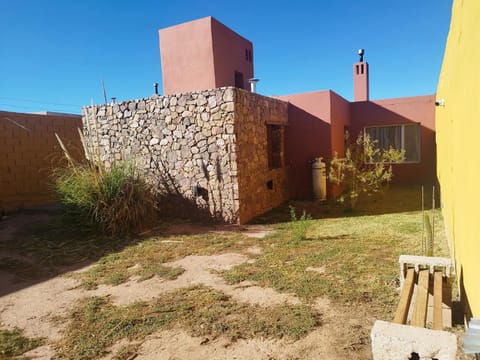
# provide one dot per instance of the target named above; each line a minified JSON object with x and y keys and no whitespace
{"x":361,"y":91}
{"x":307,"y":136}
{"x":203,"y":54}
{"x":340,"y":120}
{"x":416,"y":109}
{"x":231,"y":52}
{"x":186,"y":53}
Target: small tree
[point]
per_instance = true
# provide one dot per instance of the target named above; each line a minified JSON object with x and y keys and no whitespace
{"x":364,"y":169}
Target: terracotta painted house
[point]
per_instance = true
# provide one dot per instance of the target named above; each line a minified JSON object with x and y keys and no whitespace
{"x":236,"y":153}
{"x":204,"y":54}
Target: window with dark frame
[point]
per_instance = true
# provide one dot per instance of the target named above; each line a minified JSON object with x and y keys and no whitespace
{"x":275,"y":146}
{"x":399,"y":137}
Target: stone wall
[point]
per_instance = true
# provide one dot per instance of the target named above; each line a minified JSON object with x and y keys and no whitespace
{"x":188,"y":142}
{"x":261,"y":189}
{"x":29,"y":154}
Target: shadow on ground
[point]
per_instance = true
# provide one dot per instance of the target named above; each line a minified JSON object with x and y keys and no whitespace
{"x":38,"y":244}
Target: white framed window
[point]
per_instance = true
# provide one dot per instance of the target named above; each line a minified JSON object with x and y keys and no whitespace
{"x":400,"y":137}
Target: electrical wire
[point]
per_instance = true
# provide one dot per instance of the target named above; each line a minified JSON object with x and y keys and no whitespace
{"x":38,"y":101}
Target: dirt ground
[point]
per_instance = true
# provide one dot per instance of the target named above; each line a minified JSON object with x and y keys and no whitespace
{"x":33,"y":307}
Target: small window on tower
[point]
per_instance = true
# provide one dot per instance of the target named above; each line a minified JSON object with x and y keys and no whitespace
{"x":250,"y":55}
{"x":246,"y":54}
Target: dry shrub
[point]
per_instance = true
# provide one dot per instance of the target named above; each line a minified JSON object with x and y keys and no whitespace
{"x":117,"y":200}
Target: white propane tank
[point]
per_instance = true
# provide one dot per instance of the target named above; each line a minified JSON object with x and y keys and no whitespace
{"x":319,"y":179}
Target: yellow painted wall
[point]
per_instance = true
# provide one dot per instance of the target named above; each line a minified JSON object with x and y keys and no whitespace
{"x":458,"y":145}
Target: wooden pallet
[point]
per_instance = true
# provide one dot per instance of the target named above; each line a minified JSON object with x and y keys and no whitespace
{"x":425,"y":283}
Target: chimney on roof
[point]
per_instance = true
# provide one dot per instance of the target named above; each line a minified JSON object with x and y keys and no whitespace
{"x":253,"y":84}
{"x":360,"y":79}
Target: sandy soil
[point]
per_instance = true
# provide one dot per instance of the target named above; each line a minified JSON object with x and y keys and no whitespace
{"x":33,"y":307}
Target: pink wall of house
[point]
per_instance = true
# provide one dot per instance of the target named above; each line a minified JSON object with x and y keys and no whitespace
{"x":316,"y":123}
{"x":340,"y":121}
{"x":307,"y":136}
{"x":407,"y":110}
{"x":203,"y":54}
{"x":231,"y":52}
{"x":186,"y":53}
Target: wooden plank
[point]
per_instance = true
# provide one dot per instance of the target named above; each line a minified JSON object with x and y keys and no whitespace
{"x":421,"y":300}
{"x":437,"y":301}
{"x":405,"y":298}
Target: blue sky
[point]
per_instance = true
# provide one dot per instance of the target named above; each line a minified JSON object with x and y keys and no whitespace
{"x":54,"y":54}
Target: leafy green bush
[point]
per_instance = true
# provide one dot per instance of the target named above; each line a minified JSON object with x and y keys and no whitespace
{"x":364,"y":169}
{"x":117,"y":200}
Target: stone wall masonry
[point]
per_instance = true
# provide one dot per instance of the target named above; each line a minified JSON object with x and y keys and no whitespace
{"x":200,"y":142}
{"x":253,"y":113}
{"x":186,"y":139}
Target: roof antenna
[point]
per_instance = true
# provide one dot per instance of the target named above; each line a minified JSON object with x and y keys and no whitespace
{"x":360,"y":53}
{"x":104,"y":92}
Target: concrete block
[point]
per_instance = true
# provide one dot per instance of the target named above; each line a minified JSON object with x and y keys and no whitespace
{"x":423,"y":261}
{"x":397,"y":342}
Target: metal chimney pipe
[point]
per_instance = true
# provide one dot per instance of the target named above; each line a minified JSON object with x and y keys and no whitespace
{"x":361,"y":52}
{"x":253,"y":84}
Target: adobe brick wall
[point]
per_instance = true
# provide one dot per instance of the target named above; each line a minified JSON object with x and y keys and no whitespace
{"x":29,"y":152}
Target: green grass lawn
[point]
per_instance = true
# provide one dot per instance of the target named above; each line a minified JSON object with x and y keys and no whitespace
{"x":350,"y":258}
{"x":358,"y":256}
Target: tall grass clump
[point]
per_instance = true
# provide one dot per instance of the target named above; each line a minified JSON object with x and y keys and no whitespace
{"x":299,"y":226}
{"x":116,"y":200}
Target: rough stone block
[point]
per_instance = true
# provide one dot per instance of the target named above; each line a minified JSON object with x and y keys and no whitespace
{"x":392,"y":341}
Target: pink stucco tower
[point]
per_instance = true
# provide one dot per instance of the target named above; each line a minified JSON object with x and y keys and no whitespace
{"x":360,"y":79}
{"x":204,"y":54}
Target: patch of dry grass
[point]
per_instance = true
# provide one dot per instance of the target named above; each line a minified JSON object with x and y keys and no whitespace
{"x":358,"y":254}
{"x":96,"y":324}
{"x":144,"y":259}
{"x":13,"y":343}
